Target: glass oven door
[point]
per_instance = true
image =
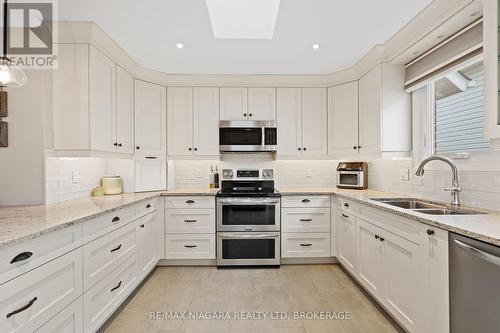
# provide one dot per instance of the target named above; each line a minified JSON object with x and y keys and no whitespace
{"x":349,"y":179}
{"x":248,"y":214}
{"x":248,"y":248}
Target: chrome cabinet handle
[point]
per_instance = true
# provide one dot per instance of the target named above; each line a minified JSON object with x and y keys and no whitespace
{"x":21,"y":257}
{"x":479,"y":253}
{"x":190,"y":221}
{"x":190,"y":246}
{"x":26,"y":307}
{"x":116,"y":248}
{"x":115,"y":219}
{"x":117,"y":286}
{"x":305,"y":220}
{"x":306,"y":245}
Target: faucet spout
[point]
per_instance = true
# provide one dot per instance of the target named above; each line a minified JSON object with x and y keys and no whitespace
{"x":455,"y":189}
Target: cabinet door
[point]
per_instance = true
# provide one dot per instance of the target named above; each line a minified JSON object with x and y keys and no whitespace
{"x":369,"y":247}
{"x":233,"y":103}
{"x":403,"y":278}
{"x":370,"y":104}
{"x":124,"y":111}
{"x":343,"y":120}
{"x":314,"y":121}
{"x":347,"y":241}
{"x":180,"y":121}
{"x":262,"y":103}
{"x":289,"y":120}
{"x":150,"y":173}
{"x":148,"y":228}
{"x":150,"y":118}
{"x":102,"y":101}
{"x":69,"y":320}
{"x":206,"y":121}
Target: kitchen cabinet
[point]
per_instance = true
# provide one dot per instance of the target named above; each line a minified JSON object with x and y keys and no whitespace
{"x":370,"y":256}
{"x":150,"y":173}
{"x":262,"y":104}
{"x":149,"y":239}
{"x":346,"y":230}
{"x":190,"y":246}
{"x":384,"y":113}
{"x":69,"y":320}
{"x":150,"y":119}
{"x":193,"y":121}
{"x":491,"y":71}
{"x":124,"y":140}
{"x":305,"y":245}
{"x":233,"y":103}
{"x":343,"y":120}
{"x":302,"y":121}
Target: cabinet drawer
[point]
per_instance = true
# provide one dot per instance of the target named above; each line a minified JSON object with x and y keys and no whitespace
{"x":30,"y":300}
{"x":185,"y":221}
{"x":310,"y":201}
{"x":190,"y":246}
{"x":346,"y":216}
{"x":305,"y":245}
{"x":190,"y":202}
{"x":102,"y":300}
{"x":104,"y":224}
{"x":305,"y":219}
{"x":103,"y":255}
{"x":23,"y":257}
{"x":69,"y":320}
{"x":146,"y":207}
{"x":348,"y":206}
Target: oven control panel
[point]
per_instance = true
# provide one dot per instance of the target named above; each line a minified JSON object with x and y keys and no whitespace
{"x":247,"y":174}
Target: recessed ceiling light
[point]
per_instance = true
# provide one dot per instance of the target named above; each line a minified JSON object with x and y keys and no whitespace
{"x":179,"y":45}
{"x":315,"y":46}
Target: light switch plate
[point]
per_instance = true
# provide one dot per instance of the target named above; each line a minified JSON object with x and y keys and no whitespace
{"x":75,"y":177}
{"x":309,"y":173}
{"x":405,"y":175}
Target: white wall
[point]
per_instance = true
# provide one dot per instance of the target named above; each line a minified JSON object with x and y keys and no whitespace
{"x":22,"y":175}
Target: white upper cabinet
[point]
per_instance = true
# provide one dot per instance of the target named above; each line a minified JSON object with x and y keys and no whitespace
{"x":206,"y":121}
{"x":302,"y":121}
{"x":384,"y":112}
{"x":102,"y":101}
{"x":233,"y":103}
{"x":261,"y":103}
{"x":124,"y":111}
{"x":180,"y":120}
{"x":314,"y":121}
{"x":343,"y":120}
{"x":150,"y":118}
{"x":491,"y":70}
{"x":289,"y":119}
{"x":193,"y":121}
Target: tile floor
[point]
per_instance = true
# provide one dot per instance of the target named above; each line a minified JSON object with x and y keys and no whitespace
{"x":291,"y":288}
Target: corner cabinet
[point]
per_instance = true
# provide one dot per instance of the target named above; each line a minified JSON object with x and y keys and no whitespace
{"x":302,"y":121}
{"x":150,"y":119}
{"x":193,"y":121}
{"x":384,"y":113}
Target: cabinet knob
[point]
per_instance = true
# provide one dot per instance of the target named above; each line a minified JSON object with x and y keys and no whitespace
{"x":382,"y":239}
{"x":359,"y":147}
{"x":377,"y":236}
{"x":346,"y":204}
{"x":430,"y":232}
{"x":115,"y":144}
{"x":244,"y":114}
{"x":190,"y":149}
{"x":195,"y":149}
{"x":305,"y":148}
{"x":119,"y":145}
{"x":354,"y":147}
{"x":299,"y":148}
{"x":137,"y":147}
{"x":250,"y":115}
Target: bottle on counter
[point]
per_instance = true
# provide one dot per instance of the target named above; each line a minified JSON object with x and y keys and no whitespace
{"x":212,"y":177}
{"x":216,"y":177}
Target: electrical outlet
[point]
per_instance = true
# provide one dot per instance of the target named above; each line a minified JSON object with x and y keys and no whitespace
{"x":309,"y":173}
{"x":75,"y":177}
{"x":405,"y":175}
{"x":198,"y":173}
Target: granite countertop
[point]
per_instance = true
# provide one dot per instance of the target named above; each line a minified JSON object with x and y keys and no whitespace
{"x":484,"y":227}
{"x":189,"y":191}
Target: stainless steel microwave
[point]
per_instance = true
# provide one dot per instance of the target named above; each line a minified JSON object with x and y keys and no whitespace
{"x":247,"y":136}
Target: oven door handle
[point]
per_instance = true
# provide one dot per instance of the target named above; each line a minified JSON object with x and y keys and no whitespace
{"x":248,"y":236}
{"x":263,"y":201}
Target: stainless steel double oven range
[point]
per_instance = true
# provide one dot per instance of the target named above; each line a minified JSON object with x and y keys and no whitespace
{"x":248,"y":219}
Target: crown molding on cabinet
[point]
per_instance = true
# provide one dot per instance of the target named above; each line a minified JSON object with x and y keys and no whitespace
{"x":441,"y":17}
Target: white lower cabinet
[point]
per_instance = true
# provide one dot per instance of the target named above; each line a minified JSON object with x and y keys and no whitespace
{"x":305,"y":219}
{"x":305,"y":245}
{"x":69,"y":320}
{"x":190,"y":246}
{"x":149,"y":234}
{"x":370,"y":256}
{"x":346,"y":231}
{"x":29,"y":301}
{"x":104,"y":298}
{"x":181,"y":221}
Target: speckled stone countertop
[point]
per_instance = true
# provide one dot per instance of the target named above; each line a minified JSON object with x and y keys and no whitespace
{"x":484,"y":227}
{"x":21,"y":223}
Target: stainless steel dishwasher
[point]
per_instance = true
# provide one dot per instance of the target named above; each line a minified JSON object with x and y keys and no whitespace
{"x":474,"y":286}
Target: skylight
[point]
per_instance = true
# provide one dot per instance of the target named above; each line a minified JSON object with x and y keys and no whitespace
{"x":243,"y":19}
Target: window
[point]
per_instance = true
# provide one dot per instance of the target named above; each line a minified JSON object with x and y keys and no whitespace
{"x":450,"y":110}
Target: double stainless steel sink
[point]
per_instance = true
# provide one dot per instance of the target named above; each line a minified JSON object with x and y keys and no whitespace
{"x":425,"y":207}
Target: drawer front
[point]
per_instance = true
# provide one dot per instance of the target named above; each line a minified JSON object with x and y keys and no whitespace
{"x":185,"y":221}
{"x":29,"y":301}
{"x":23,"y":257}
{"x":311,"y":201}
{"x":305,"y":245}
{"x":102,"y":300}
{"x":69,"y":320}
{"x":190,"y":246}
{"x":346,"y":216}
{"x":103,"y":255}
{"x":348,"y":206}
{"x":146,"y":207}
{"x":102,"y":225}
{"x":305,"y":219}
{"x":190,"y":202}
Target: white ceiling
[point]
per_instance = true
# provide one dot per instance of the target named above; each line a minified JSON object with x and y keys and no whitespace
{"x":148,"y":30}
